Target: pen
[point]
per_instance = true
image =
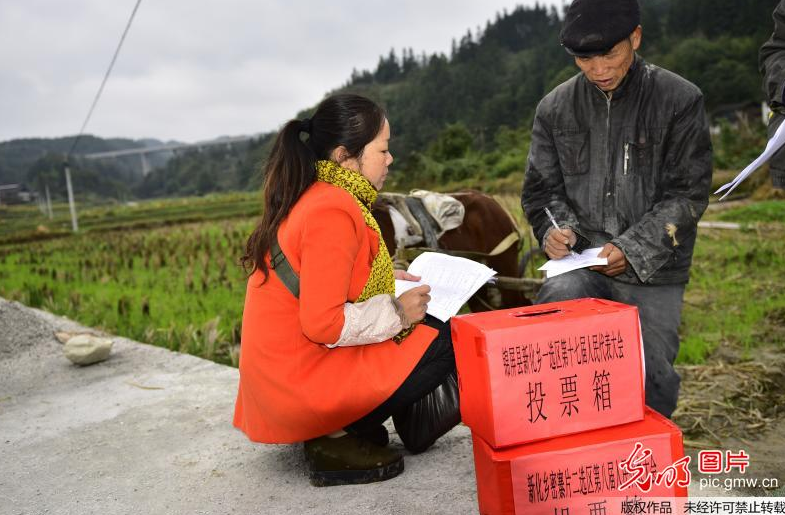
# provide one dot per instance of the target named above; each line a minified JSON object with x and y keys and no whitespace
{"x":553,"y":221}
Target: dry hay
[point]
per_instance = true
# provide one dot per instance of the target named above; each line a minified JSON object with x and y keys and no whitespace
{"x":738,"y":400}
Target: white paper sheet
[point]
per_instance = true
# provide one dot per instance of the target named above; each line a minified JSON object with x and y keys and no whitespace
{"x":452,"y":280}
{"x":772,"y":146}
{"x":572,"y":262}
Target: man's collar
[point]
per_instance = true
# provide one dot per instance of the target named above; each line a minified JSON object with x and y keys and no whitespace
{"x":632,"y":76}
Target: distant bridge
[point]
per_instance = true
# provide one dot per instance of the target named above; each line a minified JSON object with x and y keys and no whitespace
{"x":173,"y":147}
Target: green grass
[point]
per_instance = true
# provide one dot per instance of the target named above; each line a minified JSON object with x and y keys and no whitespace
{"x":735,"y":295}
{"x":766,"y":211}
{"x":737,"y":291}
{"x":151,"y":273}
{"x":179,"y":287}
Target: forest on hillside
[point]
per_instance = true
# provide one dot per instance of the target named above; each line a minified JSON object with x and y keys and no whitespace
{"x":467,"y":114}
{"x":38,"y":162}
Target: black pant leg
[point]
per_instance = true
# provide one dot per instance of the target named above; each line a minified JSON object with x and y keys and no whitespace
{"x":436,"y":364}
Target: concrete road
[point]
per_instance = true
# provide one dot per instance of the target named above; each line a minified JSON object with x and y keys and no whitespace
{"x":149,"y":432}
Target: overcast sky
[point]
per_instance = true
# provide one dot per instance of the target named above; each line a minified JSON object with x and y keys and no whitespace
{"x":198,"y":70}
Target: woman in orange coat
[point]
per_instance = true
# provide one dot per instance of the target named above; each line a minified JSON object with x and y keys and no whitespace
{"x":328,"y":353}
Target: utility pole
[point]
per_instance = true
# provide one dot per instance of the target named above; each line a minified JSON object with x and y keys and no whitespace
{"x":48,"y":201}
{"x":71,"y":204}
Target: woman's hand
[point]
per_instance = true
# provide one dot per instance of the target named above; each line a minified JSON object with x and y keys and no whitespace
{"x":403,"y":275}
{"x":414,"y":304}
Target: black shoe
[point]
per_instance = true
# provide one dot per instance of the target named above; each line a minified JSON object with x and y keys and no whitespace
{"x":377,"y":435}
{"x":349,"y":460}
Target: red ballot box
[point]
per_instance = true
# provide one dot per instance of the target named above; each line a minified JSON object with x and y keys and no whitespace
{"x":583,"y":473}
{"x":543,"y":371}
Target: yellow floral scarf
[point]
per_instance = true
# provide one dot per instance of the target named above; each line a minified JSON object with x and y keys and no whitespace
{"x":381,"y":279}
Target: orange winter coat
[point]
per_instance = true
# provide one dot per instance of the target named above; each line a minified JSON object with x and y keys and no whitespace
{"x":292,"y":387}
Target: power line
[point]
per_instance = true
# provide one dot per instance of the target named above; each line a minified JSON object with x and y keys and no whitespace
{"x":71,"y":203}
{"x":103,"y":83}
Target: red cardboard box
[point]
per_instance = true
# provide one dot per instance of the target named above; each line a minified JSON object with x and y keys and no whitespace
{"x":578,"y":474}
{"x":543,"y":371}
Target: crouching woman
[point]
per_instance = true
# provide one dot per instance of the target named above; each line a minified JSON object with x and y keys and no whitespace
{"x":328,"y":353}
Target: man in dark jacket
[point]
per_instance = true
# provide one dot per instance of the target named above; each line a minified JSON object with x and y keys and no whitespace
{"x":621,"y":155}
{"x":772,"y":66}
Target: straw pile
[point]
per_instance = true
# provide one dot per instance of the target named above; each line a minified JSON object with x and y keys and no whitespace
{"x":721,"y":400}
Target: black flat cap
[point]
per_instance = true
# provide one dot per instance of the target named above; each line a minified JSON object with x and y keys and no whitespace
{"x":593,"y":27}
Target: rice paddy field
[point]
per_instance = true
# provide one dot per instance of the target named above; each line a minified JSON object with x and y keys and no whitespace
{"x":161,"y":272}
{"x":167,"y":272}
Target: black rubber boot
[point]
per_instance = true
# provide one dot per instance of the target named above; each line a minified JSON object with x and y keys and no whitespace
{"x":349,"y":460}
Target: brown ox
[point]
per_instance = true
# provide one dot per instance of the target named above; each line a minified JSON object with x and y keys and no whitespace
{"x":485,"y":225}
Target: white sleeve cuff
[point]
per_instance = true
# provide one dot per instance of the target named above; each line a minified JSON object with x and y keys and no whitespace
{"x":372,"y":321}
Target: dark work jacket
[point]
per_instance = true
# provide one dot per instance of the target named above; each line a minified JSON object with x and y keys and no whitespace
{"x":633,"y":170}
{"x":772,"y":66}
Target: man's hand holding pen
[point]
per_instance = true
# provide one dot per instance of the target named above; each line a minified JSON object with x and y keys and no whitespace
{"x":558,"y":239}
{"x":559,"y":243}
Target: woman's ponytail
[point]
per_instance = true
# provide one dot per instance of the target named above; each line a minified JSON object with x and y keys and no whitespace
{"x":290,"y":170}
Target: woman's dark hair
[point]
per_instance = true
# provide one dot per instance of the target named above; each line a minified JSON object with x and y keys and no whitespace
{"x":351,"y":121}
